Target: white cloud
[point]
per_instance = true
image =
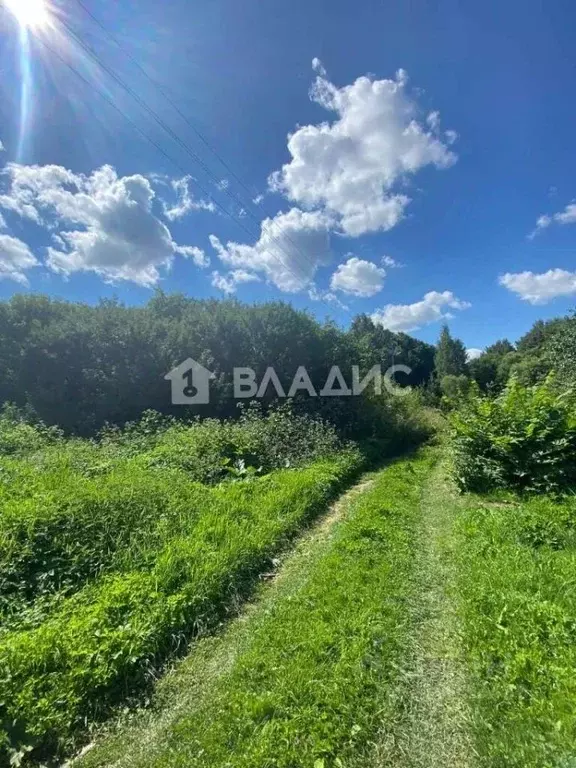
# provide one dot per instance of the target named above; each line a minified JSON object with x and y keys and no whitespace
{"x":290,"y":249}
{"x":354,"y":166}
{"x":540,"y":288}
{"x":101,"y":223}
{"x":258,"y":199}
{"x":410,"y":317}
{"x":358,"y":277}
{"x":318,"y":67}
{"x":15,"y":258}
{"x":567,"y":216}
{"x":228,"y":283}
{"x":3,"y":224}
{"x":473,"y":353}
{"x":2,"y":147}
{"x":315,"y":294}
{"x":391,"y":263}
{"x":193,"y":252}
{"x":185,"y":202}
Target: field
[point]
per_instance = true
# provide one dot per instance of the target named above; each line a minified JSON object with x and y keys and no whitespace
{"x":221,"y":594}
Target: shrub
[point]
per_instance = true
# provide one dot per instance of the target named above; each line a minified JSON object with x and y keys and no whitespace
{"x":454,"y":387}
{"x":19,"y":435}
{"x":210,"y":450}
{"x":523,"y":439}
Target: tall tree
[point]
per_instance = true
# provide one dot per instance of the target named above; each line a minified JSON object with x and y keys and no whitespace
{"x":450,"y":358}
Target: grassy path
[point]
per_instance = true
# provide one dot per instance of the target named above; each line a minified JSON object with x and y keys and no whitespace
{"x":434,"y":729}
{"x":410,"y":628}
{"x":192,"y":681}
{"x":306,"y":677}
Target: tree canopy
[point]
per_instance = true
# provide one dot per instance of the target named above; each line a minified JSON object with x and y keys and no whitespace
{"x":79,"y":366}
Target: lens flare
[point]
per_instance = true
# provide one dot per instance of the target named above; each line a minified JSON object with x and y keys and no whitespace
{"x":32,"y":14}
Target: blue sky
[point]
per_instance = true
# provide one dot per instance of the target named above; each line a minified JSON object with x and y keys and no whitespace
{"x":439,"y":137}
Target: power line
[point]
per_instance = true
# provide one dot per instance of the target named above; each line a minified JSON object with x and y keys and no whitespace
{"x":172,"y":133}
{"x":166,"y":95}
{"x":174,"y":162}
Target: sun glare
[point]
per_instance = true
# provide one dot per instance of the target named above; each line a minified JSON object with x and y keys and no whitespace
{"x":33,"y":14}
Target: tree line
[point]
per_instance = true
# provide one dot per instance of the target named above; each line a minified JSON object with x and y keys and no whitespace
{"x":80,"y":366}
{"x":548,"y":346}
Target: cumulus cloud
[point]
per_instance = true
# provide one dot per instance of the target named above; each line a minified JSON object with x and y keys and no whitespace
{"x":410,"y":317}
{"x":328,"y":297}
{"x":185,"y":202}
{"x":229,"y":283}
{"x":290,"y":249}
{"x":3,"y":224}
{"x":473,"y":353}
{"x":102,"y":223}
{"x":540,"y":288}
{"x":15,"y":259}
{"x":358,"y":278}
{"x":567,"y":216}
{"x":354,"y":167}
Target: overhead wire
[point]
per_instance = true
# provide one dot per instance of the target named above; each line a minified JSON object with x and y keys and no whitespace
{"x":155,"y":144}
{"x":94,"y":55}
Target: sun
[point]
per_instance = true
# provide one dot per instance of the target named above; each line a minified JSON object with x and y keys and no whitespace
{"x":33,"y":14}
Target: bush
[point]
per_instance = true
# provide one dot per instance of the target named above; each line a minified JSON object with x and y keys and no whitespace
{"x":523,"y":439}
{"x":19,"y":435}
{"x":454,"y":387}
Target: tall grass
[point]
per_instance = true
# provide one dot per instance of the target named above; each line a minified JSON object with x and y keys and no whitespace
{"x":518,"y":592}
{"x":72,"y":510}
{"x":110,"y":639}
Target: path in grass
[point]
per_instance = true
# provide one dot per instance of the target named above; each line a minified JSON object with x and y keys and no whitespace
{"x":434,"y":730}
{"x":191,"y":681}
{"x":349,"y":657}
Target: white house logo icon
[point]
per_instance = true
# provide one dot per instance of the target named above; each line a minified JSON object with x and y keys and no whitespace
{"x":190,"y":383}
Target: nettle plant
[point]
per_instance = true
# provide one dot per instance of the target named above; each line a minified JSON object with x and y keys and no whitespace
{"x":524,"y":439}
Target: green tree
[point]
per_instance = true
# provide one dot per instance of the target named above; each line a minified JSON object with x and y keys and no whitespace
{"x":560,"y":351}
{"x":450,"y":358}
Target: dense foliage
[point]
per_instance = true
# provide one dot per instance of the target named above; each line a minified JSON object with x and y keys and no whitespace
{"x":110,"y":638}
{"x":77,"y":509}
{"x":79,"y":366}
{"x":548,"y":346}
{"x":523,"y":439}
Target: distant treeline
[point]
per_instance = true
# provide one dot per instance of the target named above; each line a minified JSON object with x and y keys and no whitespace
{"x":548,"y":346}
{"x":80,"y":366}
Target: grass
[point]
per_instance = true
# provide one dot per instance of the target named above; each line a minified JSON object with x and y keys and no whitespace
{"x":313,"y":680}
{"x":434,"y":728}
{"x":517,"y":588}
{"x":109,"y":639}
